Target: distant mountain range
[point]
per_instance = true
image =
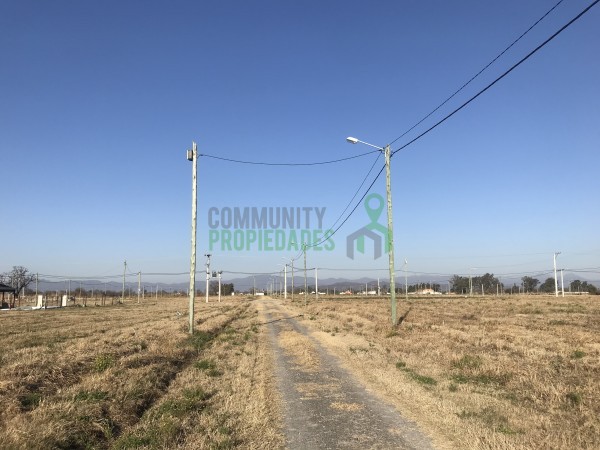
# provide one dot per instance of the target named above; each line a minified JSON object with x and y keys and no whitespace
{"x":263,"y":283}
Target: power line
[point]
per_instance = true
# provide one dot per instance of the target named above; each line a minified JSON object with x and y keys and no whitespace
{"x":67,"y":277}
{"x":250,"y":273}
{"x":262,"y":163}
{"x":478,"y":73}
{"x":356,"y":192}
{"x":400,"y":148}
{"x":353,"y":209}
{"x":313,"y":164}
{"x":353,"y":270}
{"x":166,"y":273}
{"x":348,"y":205}
{"x":536,"y":273}
{"x":460,"y":108}
{"x":564,"y":27}
{"x":430,"y":128}
{"x":351,"y":212}
{"x":60,"y":278}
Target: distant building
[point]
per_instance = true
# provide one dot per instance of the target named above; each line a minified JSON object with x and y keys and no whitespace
{"x":4,"y":289}
{"x":428,"y":291}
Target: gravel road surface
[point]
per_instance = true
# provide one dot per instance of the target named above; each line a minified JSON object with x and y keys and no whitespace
{"x":324,"y":406}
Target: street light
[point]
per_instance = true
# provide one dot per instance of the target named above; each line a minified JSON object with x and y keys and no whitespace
{"x":208,"y":255}
{"x":192,"y":155}
{"x":219,"y":275}
{"x":388,"y":187}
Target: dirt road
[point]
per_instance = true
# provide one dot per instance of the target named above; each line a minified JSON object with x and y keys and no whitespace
{"x":324,"y":406}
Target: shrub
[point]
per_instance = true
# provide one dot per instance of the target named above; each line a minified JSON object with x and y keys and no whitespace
{"x":467,"y":362}
{"x":30,"y":400}
{"x":574,"y":398}
{"x":103,"y":362}
{"x":578,"y":354}
{"x":400,"y":365}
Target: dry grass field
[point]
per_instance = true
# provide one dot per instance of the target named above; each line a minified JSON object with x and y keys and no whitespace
{"x":129,"y":376}
{"x":476,"y":373}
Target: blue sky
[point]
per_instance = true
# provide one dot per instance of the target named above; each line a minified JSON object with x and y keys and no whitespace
{"x":100,"y":100}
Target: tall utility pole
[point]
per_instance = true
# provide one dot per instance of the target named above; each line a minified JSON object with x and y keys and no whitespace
{"x":123,"y":291}
{"x":219,"y":275}
{"x":292,"y":280}
{"x":192,"y":155}
{"x":316,"y":284}
{"x":388,"y":188}
{"x":207,"y":273}
{"x":305,"y":286}
{"x":562,"y":283}
{"x":285,"y":282}
{"x":555,"y":279}
{"x":387,"y":152}
{"x":139,"y":285}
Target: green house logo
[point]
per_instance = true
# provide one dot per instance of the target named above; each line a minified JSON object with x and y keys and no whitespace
{"x":375,"y":231}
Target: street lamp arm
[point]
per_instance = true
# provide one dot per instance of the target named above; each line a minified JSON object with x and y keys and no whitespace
{"x":353,"y":140}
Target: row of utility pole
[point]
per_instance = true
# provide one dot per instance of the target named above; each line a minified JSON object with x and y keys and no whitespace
{"x":192,"y":155}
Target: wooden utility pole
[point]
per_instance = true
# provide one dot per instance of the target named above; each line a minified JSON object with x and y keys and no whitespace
{"x":192,"y":155}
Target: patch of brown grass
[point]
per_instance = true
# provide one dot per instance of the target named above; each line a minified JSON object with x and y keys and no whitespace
{"x":300,"y":348}
{"x":315,"y":390}
{"x":127,"y":376}
{"x":482,"y":373}
{"x":347,"y":406}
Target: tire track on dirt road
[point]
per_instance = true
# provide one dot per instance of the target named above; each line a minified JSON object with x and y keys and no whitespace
{"x":323,"y":405}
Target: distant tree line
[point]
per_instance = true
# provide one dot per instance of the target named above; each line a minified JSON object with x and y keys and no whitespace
{"x":579,"y":286}
{"x":226,"y":288}
{"x":481,"y":284}
{"x":533,"y":284}
{"x":488,"y":283}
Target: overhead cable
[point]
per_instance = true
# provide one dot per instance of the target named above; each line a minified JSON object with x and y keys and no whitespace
{"x":478,"y":73}
{"x":351,"y":212}
{"x":262,"y":163}
{"x":356,"y":192}
{"x":564,"y":27}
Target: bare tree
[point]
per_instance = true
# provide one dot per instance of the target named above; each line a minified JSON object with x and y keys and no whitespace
{"x":18,"y":278}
